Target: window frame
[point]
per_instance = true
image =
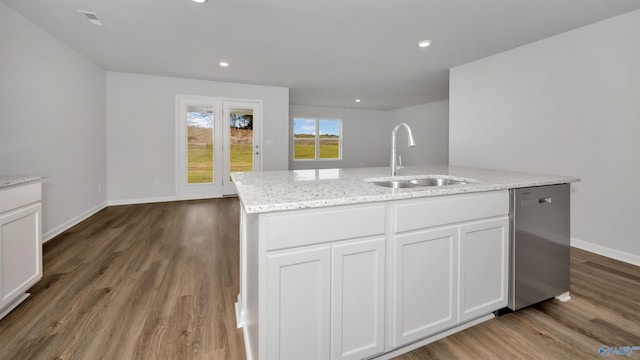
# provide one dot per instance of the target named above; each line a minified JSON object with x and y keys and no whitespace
{"x":317,"y":138}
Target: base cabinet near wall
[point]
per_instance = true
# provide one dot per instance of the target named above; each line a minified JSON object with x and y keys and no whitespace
{"x":366,"y":281}
{"x":20,"y":243}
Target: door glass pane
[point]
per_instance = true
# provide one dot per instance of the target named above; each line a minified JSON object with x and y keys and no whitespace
{"x":304,"y":139}
{"x":329,"y":139}
{"x":240,"y":140}
{"x":199,"y":144}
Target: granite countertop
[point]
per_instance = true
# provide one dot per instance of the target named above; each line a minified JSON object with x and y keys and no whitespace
{"x":9,"y":181}
{"x":298,"y":189}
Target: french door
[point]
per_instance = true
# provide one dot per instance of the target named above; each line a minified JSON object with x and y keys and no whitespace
{"x":214,"y":137}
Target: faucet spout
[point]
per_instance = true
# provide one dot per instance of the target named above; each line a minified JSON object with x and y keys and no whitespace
{"x":393,"y":169}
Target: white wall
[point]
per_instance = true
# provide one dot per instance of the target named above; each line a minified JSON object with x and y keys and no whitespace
{"x":141,"y":130}
{"x":365,"y":137}
{"x":569,"y":104}
{"x":52,"y":120}
{"x":430,"y":127}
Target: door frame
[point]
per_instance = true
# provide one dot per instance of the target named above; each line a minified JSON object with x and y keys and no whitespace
{"x":221,"y":185}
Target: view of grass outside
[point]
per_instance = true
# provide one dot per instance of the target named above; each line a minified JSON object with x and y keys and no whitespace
{"x":201,"y":166}
{"x":241,"y":158}
{"x":305,"y":139}
{"x":241,"y":152}
{"x":240,"y":141}
{"x":199,"y":144}
{"x":304,"y":147}
{"x":329,"y":147}
{"x":200,"y":153}
{"x":200,"y":163}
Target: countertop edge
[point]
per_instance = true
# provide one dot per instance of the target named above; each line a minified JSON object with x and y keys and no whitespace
{"x":11,"y":181}
{"x":470,"y":188}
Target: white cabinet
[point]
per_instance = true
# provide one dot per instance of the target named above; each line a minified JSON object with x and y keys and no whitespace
{"x":447,"y":275}
{"x":357,"y":299}
{"x":20,"y":244}
{"x":297,"y":309}
{"x":326,"y":302}
{"x":324,"y":286}
{"x":425,"y":292}
{"x":365,"y":281}
{"x":483,"y":267}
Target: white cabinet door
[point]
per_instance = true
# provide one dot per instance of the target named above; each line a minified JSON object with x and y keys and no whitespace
{"x":297,"y":306}
{"x":483,"y":267}
{"x":424,"y":293}
{"x":357,"y":299}
{"x":20,"y":252}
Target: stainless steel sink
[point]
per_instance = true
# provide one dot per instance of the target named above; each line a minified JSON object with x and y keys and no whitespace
{"x":436,"y":182}
{"x":401,"y":184}
{"x":396,"y":184}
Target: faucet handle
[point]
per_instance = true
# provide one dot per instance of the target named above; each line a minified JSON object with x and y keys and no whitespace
{"x":399,"y":161}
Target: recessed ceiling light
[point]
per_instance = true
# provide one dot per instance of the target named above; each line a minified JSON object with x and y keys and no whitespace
{"x":223,"y":63}
{"x":199,"y":1}
{"x":358,"y":100}
{"x":424,"y":43}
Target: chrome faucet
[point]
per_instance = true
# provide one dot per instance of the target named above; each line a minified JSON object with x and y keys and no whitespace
{"x":394,"y":167}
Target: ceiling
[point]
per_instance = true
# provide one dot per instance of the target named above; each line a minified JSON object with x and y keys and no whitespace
{"x":328,"y":52}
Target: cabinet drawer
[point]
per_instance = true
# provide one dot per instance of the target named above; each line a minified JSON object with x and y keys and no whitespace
{"x":306,"y":227}
{"x":19,"y":196}
{"x":442,"y":210}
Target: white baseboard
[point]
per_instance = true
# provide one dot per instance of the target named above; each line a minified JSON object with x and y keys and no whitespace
{"x":606,"y":251}
{"x":68,"y":224}
{"x":141,"y":201}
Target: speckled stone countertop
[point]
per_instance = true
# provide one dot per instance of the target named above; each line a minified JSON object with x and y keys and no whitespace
{"x":9,"y":181}
{"x":298,"y":189}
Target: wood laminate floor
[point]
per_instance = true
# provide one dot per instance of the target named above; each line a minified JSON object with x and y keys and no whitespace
{"x":159,"y":281}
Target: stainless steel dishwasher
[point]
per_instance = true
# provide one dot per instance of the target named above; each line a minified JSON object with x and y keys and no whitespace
{"x":539,"y":261}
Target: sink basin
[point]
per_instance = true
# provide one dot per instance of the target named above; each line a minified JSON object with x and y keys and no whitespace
{"x":396,"y":184}
{"x":401,"y":184}
{"x":435,"y":182}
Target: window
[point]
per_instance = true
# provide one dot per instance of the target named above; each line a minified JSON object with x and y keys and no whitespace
{"x":200,"y":144}
{"x":317,"y":139}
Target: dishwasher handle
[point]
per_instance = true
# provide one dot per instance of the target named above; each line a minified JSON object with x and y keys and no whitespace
{"x":538,"y":201}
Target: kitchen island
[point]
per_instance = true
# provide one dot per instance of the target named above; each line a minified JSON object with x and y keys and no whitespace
{"x":334,"y":266}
